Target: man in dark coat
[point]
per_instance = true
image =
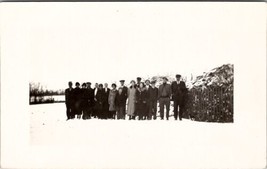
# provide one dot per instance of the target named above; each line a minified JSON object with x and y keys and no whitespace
{"x":178,"y":96}
{"x":141,"y":102}
{"x":164,"y":96}
{"x":95,"y":109}
{"x":90,"y":97}
{"x":78,"y":100}
{"x":84,"y":102}
{"x":152,"y":101}
{"x":120,"y":103}
{"x":69,"y":100}
{"x":106,"y":113}
{"x":99,"y":98}
{"x":147,"y":86}
{"x":124,"y":98}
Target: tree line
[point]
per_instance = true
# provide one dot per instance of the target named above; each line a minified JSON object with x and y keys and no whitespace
{"x":38,"y":92}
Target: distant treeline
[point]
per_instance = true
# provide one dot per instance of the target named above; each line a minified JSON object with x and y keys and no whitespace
{"x":38,"y":93}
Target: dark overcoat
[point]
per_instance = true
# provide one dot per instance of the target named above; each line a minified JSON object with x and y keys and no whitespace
{"x":179,"y":91}
{"x":141,"y":102}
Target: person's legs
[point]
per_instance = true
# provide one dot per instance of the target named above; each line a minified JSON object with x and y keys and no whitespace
{"x":154,"y":109}
{"x":68,"y":111}
{"x":150,"y":110}
{"x":99,"y":111}
{"x":167,"y":108}
{"x":123,"y":110}
{"x":113,"y":114}
{"x":106,"y":112}
{"x":181,"y":110}
{"x":72,"y":110}
{"x":83,"y":114}
{"x":90,"y":111}
{"x":161,"y":108}
{"x":118,"y":112}
{"x":147,"y":116}
{"x":175,"y":109}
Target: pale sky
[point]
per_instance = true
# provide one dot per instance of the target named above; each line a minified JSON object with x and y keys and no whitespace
{"x":106,"y":42}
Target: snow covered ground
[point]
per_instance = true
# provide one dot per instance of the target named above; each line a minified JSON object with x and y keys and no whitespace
{"x":49,"y":126}
{"x":133,"y":144}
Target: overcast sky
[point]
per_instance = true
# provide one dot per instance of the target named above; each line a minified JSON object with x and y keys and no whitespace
{"x":106,"y":42}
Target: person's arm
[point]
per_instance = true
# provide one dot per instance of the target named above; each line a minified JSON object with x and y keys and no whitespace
{"x":109,"y":98}
{"x":146,"y":96}
{"x":159,"y":92}
{"x":170,"y":91}
{"x":116,"y":100}
{"x":183,"y":87}
{"x":128,"y":92}
{"x":172,"y":86}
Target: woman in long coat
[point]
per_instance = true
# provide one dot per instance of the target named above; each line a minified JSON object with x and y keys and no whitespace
{"x":111,"y":101}
{"x":131,"y":100}
{"x":141,"y":102}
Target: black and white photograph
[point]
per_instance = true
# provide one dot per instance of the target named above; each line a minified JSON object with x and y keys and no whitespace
{"x":133,"y":84}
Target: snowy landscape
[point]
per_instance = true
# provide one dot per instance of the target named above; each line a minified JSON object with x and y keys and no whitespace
{"x":136,"y":144}
{"x":219,"y":49}
{"x":49,"y":126}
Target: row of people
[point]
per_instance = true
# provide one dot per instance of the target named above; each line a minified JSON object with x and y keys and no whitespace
{"x":140,"y":98}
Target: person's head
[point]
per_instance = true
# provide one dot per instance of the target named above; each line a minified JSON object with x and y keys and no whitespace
{"x":84,"y":85}
{"x":178,"y":77}
{"x":142,"y":84}
{"x":96,"y":85}
{"x":138,"y":79}
{"x":106,"y":85}
{"x":153,"y":83}
{"x":122,"y":82}
{"x":165,"y":79}
{"x":100,"y":86}
{"x":88,"y":85}
{"x":132,"y":83}
{"x":77,"y":84}
{"x":70,"y":84}
{"x":113,"y":86}
{"x":147,"y":82}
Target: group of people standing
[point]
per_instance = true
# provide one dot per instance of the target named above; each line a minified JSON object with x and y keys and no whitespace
{"x":139,"y":100}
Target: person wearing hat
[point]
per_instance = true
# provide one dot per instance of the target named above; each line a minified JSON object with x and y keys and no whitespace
{"x":99,"y":102}
{"x":178,"y":96}
{"x":95,"y":108}
{"x":69,"y":101}
{"x":164,"y":96}
{"x":106,"y":114}
{"x":84,"y":102}
{"x":78,"y":98}
{"x":131,"y":100}
{"x":141,"y":102}
{"x":152,"y":101}
{"x":124,"y":98}
{"x":120,"y":104}
{"x":147,"y":87}
{"x":90,"y":99}
{"x":138,"y":81}
{"x":111,"y":101}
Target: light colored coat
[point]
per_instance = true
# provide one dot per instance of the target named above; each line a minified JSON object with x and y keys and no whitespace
{"x":111,"y":100}
{"x":131,"y":101}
